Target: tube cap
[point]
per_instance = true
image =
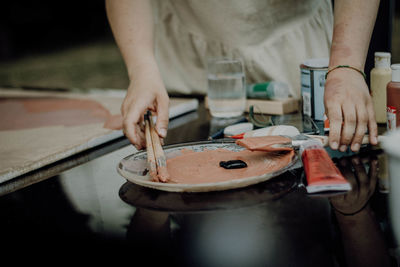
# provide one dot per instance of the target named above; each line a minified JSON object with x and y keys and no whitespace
{"x":395,"y":72}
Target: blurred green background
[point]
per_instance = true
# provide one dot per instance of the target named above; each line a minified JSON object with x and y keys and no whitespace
{"x":58,"y":44}
{"x":94,"y":64}
{"x":69,"y":44}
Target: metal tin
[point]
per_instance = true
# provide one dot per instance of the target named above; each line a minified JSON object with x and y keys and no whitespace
{"x":313,"y":73}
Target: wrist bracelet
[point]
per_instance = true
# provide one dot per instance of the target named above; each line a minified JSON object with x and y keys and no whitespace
{"x":351,"y":213}
{"x":346,"y":66}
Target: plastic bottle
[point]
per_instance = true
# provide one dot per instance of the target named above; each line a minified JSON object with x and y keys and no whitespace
{"x":393,"y":99}
{"x":381,"y":75}
{"x":269,"y":90}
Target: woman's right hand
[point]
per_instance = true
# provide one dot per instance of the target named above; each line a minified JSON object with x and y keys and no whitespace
{"x":146,"y":91}
{"x":132,"y":24}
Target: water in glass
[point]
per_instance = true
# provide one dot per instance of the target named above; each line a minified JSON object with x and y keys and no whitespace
{"x":226,"y":88}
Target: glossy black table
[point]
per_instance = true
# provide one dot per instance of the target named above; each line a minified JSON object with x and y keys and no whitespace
{"x":80,"y":210}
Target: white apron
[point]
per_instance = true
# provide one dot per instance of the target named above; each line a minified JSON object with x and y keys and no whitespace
{"x":272,"y":37}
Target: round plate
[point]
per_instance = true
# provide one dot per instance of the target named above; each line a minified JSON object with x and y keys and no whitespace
{"x":134,"y":169}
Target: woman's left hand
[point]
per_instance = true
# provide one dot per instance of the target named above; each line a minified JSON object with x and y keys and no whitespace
{"x":349,"y":108}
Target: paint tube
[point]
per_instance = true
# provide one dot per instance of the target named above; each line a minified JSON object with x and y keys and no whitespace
{"x":321,"y":172}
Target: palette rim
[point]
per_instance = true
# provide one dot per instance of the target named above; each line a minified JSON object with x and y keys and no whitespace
{"x":143,"y":179}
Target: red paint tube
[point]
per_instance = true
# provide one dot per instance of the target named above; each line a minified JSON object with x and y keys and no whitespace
{"x":321,"y":173}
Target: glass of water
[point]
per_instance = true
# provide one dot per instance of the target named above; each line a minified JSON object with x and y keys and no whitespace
{"x":226,"y":88}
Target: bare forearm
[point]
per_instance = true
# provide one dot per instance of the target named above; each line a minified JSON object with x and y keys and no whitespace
{"x":347,"y":100}
{"x":132,"y":25}
{"x":354,"y":22}
{"x":363,"y":241}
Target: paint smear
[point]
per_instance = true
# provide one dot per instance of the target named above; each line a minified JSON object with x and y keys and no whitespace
{"x":203,"y":167}
{"x":20,"y":113}
{"x":264,"y":143}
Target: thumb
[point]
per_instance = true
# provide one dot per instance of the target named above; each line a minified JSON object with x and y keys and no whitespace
{"x":162,"y":116}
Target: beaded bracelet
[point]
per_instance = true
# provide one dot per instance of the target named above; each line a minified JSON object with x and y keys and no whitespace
{"x":346,"y":66}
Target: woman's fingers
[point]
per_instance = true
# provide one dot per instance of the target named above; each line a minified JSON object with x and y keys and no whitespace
{"x":349,"y":126}
{"x":349,"y":109}
{"x":361,"y":129}
{"x":335,"y":122}
{"x":132,"y":128}
{"x":145,"y":94}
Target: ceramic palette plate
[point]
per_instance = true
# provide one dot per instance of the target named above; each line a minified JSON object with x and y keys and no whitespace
{"x":134,"y":169}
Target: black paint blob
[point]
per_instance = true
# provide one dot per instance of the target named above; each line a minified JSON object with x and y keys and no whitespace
{"x":233,"y":164}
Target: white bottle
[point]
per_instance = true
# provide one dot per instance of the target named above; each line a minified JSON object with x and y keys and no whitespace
{"x":381,"y":75}
{"x":269,"y":90}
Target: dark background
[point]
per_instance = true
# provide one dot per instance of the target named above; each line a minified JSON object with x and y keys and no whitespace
{"x":64,"y":44}
{"x":58,"y":44}
{"x":41,"y":26}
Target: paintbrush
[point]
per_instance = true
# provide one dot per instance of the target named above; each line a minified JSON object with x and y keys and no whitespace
{"x":282,"y":142}
{"x":151,"y":159}
{"x":160,"y":159}
{"x":294,"y":133}
{"x":323,"y":139}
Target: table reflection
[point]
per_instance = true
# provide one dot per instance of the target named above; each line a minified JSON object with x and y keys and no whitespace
{"x":265,"y":223}
{"x":361,"y":236}
{"x":260,"y":225}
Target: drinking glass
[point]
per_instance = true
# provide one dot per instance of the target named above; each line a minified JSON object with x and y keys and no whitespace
{"x":226,"y":87}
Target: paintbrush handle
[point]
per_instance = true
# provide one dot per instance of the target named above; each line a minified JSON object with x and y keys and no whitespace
{"x":325,"y":139}
{"x":322,"y":138}
{"x":151,"y":159}
{"x":161,"y":160}
{"x":158,"y":151}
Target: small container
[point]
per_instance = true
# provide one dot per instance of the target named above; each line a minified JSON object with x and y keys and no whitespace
{"x":273,"y":90}
{"x":381,"y":75}
{"x":393,"y":99}
{"x":391,"y":146}
{"x":312,"y":73}
{"x":326,"y":124}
